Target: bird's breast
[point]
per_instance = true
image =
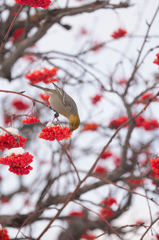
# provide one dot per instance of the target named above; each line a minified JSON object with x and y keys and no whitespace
{"x":57,"y":104}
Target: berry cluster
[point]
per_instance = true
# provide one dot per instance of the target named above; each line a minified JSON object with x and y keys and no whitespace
{"x":115,"y":123}
{"x":140,"y":122}
{"x":8,"y":141}
{"x":146,"y":124}
{"x":4,"y":234}
{"x":45,"y":97}
{"x":88,"y":236}
{"x":55,"y":132}
{"x":90,"y":127}
{"x":34,"y":3}
{"x":20,"y":105}
{"x":154,"y":175}
{"x":18,"y":164}
{"x":8,"y":119}
{"x":119,"y":33}
{"x":17,"y":34}
{"x":157,"y":236}
{"x":156,"y":61}
{"x":134,"y":183}
{"x":76,"y":214}
{"x":109,"y":201}
{"x":31,"y":120}
{"x":146,"y":96}
{"x":117,"y":161}
{"x":122,"y":81}
{"x":139,"y":222}
{"x":4,"y":200}
{"x":155,"y":164}
{"x":96,"y":99}
{"x":45,"y":75}
{"x":106,"y":154}
{"x":100,"y":170}
{"x":106,"y":213}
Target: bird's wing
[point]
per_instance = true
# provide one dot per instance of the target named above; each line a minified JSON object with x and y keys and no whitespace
{"x":63,"y":95}
{"x":66,"y":102}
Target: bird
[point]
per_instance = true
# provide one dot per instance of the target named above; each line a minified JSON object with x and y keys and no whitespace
{"x":63,"y":104}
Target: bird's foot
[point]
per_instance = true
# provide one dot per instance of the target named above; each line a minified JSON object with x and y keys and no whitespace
{"x":56,"y":115}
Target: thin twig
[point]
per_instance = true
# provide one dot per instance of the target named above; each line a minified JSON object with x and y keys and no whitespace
{"x":23,"y":95}
{"x":10,"y":28}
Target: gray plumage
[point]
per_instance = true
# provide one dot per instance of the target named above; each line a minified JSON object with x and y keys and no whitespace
{"x":60,"y":101}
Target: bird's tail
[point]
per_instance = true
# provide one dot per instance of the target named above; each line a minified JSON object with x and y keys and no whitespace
{"x":44,"y":89}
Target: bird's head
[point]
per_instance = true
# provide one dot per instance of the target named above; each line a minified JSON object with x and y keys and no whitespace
{"x":74,"y":122}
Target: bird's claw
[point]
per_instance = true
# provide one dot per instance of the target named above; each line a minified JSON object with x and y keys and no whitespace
{"x":56,"y":115}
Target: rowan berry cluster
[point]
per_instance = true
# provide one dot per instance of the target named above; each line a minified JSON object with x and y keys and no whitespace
{"x":17,"y":34}
{"x":100,"y":170}
{"x":119,"y":33}
{"x":134,"y":183}
{"x":96,"y":99}
{"x":76,"y":214}
{"x":34,"y":3}
{"x":155,"y":164}
{"x":8,"y":141}
{"x":8,"y":119}
{"x":4,"y":234}
{"x":106,"y":213}
{"x":90,"y":127}
{"x":88,"y":236}
{"x":109,"y":202}
{"x":122,"y":81}
{"x":20,"y":105}
{"x":4,"y":200}
{"x":55,"y":132}
{"x":45,"y":75}
{"x":156,"y":61}
{"x":18,"y":164}
{"x":140,"y":122}
{"x":148,"y":125}
{"x":31,"y":120}
{"x":154,"y":175}
{"x":106,"y":154}
{"x":44,"y":97}
{"x":115,"y":123}
{"x":146,"y":96}
{"x":157,"y":236}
